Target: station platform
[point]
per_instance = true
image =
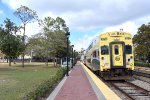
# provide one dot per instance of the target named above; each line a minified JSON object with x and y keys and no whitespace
{"x":82,"y":84}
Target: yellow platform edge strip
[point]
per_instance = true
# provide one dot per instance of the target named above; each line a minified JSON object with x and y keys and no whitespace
{"x":107,"y":92}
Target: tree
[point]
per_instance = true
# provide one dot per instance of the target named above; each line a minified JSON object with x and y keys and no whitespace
{"x":12,"y":47}
{"x":2,"y":33}
{"x":6,"y":32}
{"x":51,"y":41}
{"x":10,"y":44}
{"x":38,"y":43}
{"x":54,"y":31}
{"x":142,"y":41}
{"x":26,"y":15}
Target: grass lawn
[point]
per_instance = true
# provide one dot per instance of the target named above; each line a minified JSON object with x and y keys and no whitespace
{"x":142,"y":64}
{"x":16,"y":82}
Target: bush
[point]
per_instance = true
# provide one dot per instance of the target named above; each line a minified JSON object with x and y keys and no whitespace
{"x":46,"y":86}
{"x":141,"y":64}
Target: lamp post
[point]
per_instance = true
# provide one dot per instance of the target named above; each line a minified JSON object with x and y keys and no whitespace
{"x":67,"y":35}
{"x":72,"y":55}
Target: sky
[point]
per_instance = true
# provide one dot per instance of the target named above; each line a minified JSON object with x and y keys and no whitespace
{"x":86,"y":19}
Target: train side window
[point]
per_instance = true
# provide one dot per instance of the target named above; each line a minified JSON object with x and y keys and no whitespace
{"x":94,"y":54}
{"x":128,"y":49}
{"x":104,"y":50}
{"x":116,"y":50}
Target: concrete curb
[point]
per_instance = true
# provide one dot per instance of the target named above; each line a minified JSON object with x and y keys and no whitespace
{"x":58,"y":87}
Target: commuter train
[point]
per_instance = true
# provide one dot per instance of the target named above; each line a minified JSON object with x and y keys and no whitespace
{"x":111,"y":55}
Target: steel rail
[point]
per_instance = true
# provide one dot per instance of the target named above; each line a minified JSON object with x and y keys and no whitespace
{"x":139,"y":91}
{"x":138,"y":73}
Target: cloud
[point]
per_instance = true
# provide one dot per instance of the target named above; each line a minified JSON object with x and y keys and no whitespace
{"x":129,"y":26}
{"x":86,"y":15}
{"x":12,"y":3}
{"x":30,"y":29}
{"x":92,"y":13}
{"x":1,"y":12}
{"x":84,"y":42}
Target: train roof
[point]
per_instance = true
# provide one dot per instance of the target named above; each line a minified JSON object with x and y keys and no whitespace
{"x":94,"y":42}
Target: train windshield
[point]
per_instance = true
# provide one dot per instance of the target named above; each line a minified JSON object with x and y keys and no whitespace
{"x":116,"y":50}
{"x":104,"y":50}
{"x":128,"y":49}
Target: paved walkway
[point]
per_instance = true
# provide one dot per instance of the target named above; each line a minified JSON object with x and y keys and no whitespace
{"x":76,"y":86}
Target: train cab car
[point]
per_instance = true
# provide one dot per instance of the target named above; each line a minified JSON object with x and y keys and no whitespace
{"x":116,"y":54}
{"x":112,"y":55}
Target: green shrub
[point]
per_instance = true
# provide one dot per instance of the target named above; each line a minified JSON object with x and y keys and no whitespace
{"x":141,"y":64}
{"x":46,"y":86}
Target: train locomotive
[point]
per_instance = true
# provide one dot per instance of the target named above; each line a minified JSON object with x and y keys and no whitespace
{"x":111,"y":55}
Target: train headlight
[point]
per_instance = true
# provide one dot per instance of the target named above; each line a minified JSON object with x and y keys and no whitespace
{"x":102,"y":58}
{"x":131,"y":57}
{"x":103,"y":65}
{"x":131,"y":64}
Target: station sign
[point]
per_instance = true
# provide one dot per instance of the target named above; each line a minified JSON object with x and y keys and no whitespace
{"x":116,"y":34}
{"x":103,"y":39}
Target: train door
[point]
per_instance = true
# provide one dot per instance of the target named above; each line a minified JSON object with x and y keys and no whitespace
{"x":117,"y":54}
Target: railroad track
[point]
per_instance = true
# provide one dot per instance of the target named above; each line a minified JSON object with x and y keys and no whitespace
{"x":133,"y":91}
{"x":138,"y":73}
